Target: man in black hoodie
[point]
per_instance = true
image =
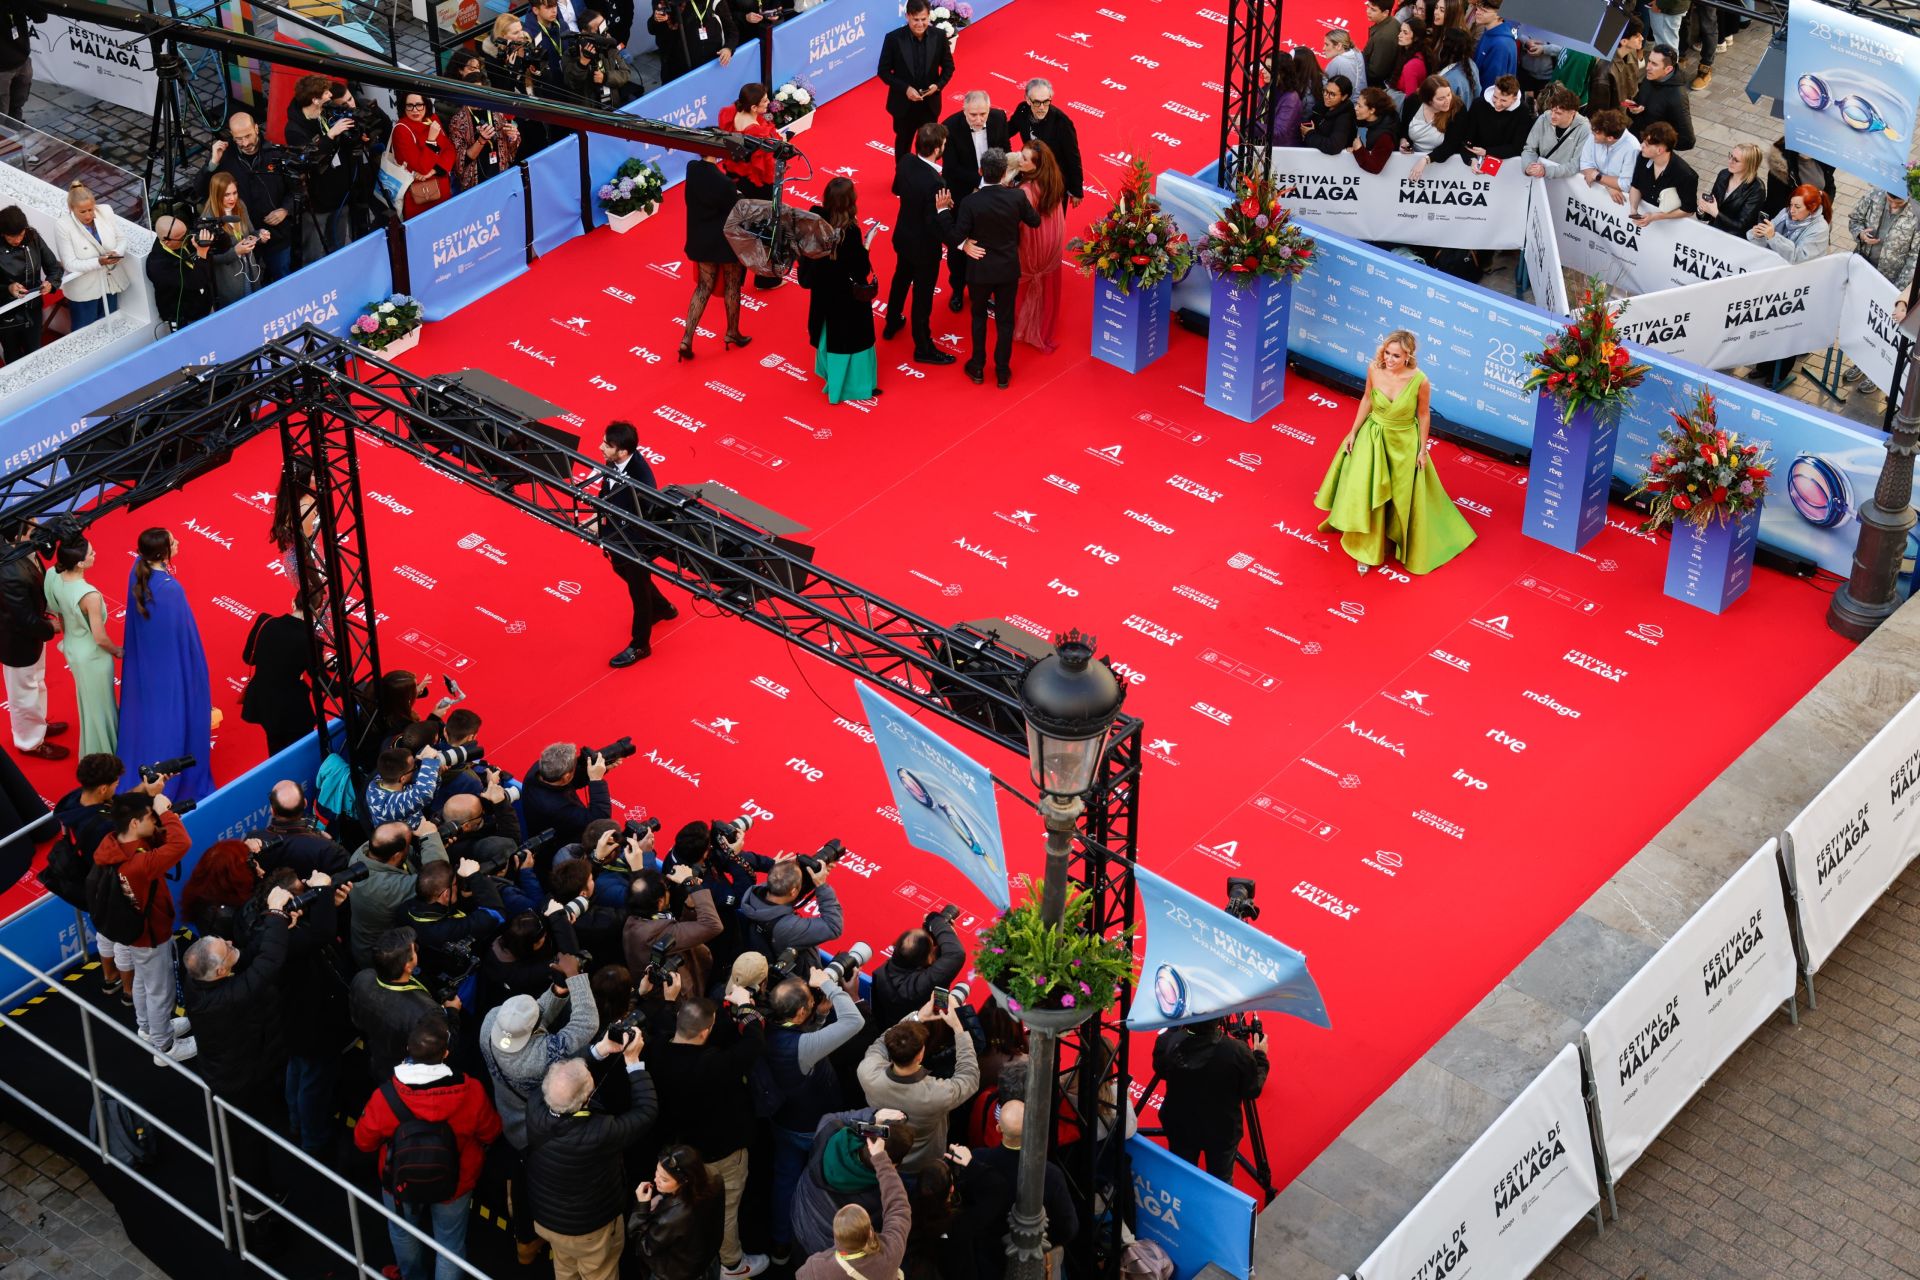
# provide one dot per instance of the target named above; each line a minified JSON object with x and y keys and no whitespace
{"x":1208,"y":1074}
{"x":1499,"y":122}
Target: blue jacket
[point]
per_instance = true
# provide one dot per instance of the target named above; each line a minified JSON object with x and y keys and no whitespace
{"x":1497,"y":53}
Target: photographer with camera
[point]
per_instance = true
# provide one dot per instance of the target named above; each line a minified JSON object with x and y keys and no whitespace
{"x":132,"y":907}
{"x":547,"y":40}
{"x":455,"y":913}
{"x":612,"y":854}
{"x":804,"y":1083}
{"x":552,"y":795}
{"x":1211,"y":1068}
{"x":671,"y":915}
{"x":924,"y":958}
{"x":393,"y":863}
{"x":575,"y":1152}
{"x":294,"y":838}
{"x":484,"y":141}
{"x":485,"y":827}
{"x":387,"y":999}
{"x":521,"y":959}
{"x":314,"y":135}
{"x":259,"y":169}
{"x":773,"y":920}
{"x":718,"y":856}
{"x":841,"y":1171}
{"x":596,"y":74}
{"x":705,"y":1101}
{"x":893,"y":1074}
{"x":312,"y":987}
{"x":403,"y":785}
{"x":182,"y":277}
{"x":463,"y":760}
{"x":692,"y":33}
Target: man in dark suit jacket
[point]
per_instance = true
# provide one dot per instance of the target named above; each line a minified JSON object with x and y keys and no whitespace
{"x":620,"y":447}
{"x":25,"y":629}
{"x":919,"y":234}
{"x":915,"y":64}
{"x":1039,"y":120}
{"x":988,"y":232}
{"x":977,"y":128}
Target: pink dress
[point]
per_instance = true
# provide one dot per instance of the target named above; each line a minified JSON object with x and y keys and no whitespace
{"x":1041,"y":248}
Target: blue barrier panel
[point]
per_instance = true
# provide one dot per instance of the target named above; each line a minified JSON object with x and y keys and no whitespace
{"x":462,"y":249}
{"x":47,"y":933}
{"x":694,"y":101}
{"x":556,"y":195}
{"x":834,"y":47}
{"x":1195,"y":1217}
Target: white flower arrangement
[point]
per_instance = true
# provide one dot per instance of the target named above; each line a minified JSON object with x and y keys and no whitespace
{"x":791,"y":101}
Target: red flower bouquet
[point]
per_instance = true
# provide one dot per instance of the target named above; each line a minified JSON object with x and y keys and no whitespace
{"x":1135,"y":245}
{"x":1255,"y":237}
{"x":1702,"y":473}
{"x":1587,"y":366}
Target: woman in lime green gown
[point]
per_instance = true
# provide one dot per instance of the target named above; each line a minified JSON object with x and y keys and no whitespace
{"x":84,"y":642}
{"x":1381,"y":487}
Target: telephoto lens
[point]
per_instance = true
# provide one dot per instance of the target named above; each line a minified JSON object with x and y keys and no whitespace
{"x":638,"y":827}
{"x":166,"y":768}
{"x":616,"y":751}
{"x":849,"y":962}
{"x":455,"y":757}
{"x":957,"y":994}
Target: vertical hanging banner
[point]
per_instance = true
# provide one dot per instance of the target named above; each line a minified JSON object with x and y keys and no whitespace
{"x":1201,"y":963}
{"x":945,"y":799}
{"x":1851,"y":88}
{"x":462,"y":249}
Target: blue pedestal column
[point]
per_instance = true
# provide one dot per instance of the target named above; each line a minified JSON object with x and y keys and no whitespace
{"x":1247,"y":347}
{"x":1712,"y":567}
{"x":1130,"y":329}
{"x":1567,"y":477}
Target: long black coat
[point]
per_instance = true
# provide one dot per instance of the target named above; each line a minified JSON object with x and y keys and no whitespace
{"x":836,"y":314}
{"x":278,"y":696}
{"x":237,"y":1022}
{"x":710,"y":196}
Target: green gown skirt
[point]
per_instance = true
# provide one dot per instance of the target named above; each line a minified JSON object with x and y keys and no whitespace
{"x":851,"y":377}
{"x":1375,"y":495}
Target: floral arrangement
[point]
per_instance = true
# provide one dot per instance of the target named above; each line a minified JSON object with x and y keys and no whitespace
{"x":1067,"y":966}
{"x":1134,"y":244}
{"x":1587,"y":365}
{"x":791,"y":101}
{"x":1255,"y":237}
{"x":383,"y":323}
{"x":952,"y":19}
{"x":636,"y":187}
{"x":1701,"y":473}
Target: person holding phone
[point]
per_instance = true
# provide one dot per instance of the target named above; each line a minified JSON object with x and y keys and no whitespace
{"x":28,"y":267}
{"x":1664,"y":185}
{"x":1433,"y":124}
{"x":235,"y":270}
{"x":260,"y":169}
{"x":90,"y":241}
{"x":1498,"y":125}
{"x":892,"y":1075}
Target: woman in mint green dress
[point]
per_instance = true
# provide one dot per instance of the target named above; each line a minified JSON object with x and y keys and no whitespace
{"x":83,"y":640}
{"x":1381,"y":487}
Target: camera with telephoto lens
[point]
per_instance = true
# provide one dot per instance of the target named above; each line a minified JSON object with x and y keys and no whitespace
{"x":828,"y":854}
{"x":786,"y":965}
{"x":592,"y":44}
{"x":614,"y":752}
{"x":639,"y":827}
{"x":1240,"y":899}
{"x":849,"y":962}
{"x":1245,"y":1026}
{"x":662,"y":959}
{"x":724,"y":831}
{"x":458,"y":757}
{"x":166,"y":769}
{"x":619,"y":1029}
{"x":307,"y":897}
{"x":957,"y":994}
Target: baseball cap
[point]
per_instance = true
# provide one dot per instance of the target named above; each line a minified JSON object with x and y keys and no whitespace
{"x":513,"y":1027}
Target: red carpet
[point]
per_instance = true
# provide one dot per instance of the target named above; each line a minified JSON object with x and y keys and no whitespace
{"x":1426,"y":777}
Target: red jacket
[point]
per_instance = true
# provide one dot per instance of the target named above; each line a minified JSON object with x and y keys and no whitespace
{"x":758,"y":168}
{"x":143,"y":869}
{"x":458,"y":1099}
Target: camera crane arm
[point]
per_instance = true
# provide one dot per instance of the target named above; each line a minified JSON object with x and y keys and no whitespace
{"x":706,"y":142}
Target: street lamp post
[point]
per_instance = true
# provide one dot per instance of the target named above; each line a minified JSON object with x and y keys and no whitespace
{"x":1070,"y":702}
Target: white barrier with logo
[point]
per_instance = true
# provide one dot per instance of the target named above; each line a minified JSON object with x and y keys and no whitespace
{"x":1743,"y":319}
{"x":1506,"y":1203}
{"x":110,"y":65}
{"x":1856,"y":836}
{"x":1596,"y":238}
{"x":1450,"y":205}
{"x":1689,"y":1008}
{"x":1545,"y":275}
{"x":1868,"y":332}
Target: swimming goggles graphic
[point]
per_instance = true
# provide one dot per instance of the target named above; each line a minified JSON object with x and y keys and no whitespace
{"x":1859,"y":113}
{"x":951,"y":816}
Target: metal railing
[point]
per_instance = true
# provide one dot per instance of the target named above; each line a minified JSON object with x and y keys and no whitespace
{"x":231,"y":1224}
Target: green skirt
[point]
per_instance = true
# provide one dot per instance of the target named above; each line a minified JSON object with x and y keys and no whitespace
{"x":1375,"y":496}
{"x":853,"y":377}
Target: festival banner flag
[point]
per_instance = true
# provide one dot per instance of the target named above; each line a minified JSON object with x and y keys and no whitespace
{"x":1202,"y":963}
{"x":1851,"y":87}
{"x":945,"y":799}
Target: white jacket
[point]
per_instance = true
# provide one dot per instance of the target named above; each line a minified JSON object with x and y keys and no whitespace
{"x":80,"y":252}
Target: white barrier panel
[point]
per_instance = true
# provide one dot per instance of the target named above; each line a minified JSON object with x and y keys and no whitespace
{"x":1596,"y":238}
{"x":1450,"y":205}
{"x":1766,"y":315}
{"x":1542,"y":252}
{"x":1858,"y":834}
{"x":111,"y":65}
{"x":1868,"y":332}
{"x":1693,"y":1004}
{"x":1507,"y":1203}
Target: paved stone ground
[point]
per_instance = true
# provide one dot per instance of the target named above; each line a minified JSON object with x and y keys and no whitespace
{"x":55,"y":1223}
{"x":1798,"y":1160}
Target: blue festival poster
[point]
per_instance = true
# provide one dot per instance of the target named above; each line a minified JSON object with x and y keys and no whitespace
{"x":945,"y":799}
{"x":1852,"y":86}
{"x":1201,"y":963}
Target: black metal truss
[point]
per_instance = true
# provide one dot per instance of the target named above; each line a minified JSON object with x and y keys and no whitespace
{"x":1252,"y":57}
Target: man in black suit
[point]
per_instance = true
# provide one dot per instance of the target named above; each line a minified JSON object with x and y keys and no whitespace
{"x":977,"y":128}
{"x":988,"y":233}
{"x":620,"y":446}
{"x":919,"y":234}
{"x":915,"y":65}
{"x":25,"y":629}
{"x":1038,"y":119}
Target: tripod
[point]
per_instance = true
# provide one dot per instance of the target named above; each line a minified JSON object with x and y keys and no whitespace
{"x":166,"y":139}
{"x":1252,"y":1153}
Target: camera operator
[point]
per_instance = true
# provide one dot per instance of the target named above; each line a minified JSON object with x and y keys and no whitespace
{"x":314,"y":135}
{"x":547,"y":40}
{"x":804,"y":1079}
{"x":387,"y":999}
{"x":840,"y":1173}
{"x":575,"y":1171}
{"x":521,"y":959}
{"x":455,"y":913}
{"x":924,"y":958}
{"x":706,"y":1103}
{"x":1209,"y":1074}
{"x":551,"y":798}
{"x":485,"y":827}
{"x":392,"y":864}
{"x":519,"y":1040}
{"x":671,"y":915}
{"x":259,"y":169}
{"x":403,"y":784}
{"x":294,"y":837}
{"x":692,"y":33}
{"x":773,"y":920}
{"x":181,"y":275}
{"x":719,"y":859}
{"x":504,"y":52}
{"x":147,"y":841}
{"x":894,"y":1074}
{"x":596,"y":74}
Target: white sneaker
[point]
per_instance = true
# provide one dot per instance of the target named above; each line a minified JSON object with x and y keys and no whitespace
{"x":181,"y":1028}
{"x":181,"y":1051}
{"x":751,"y":1264}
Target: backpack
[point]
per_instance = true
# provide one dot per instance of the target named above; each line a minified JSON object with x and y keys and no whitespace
{"x":116,"y":916}
{"x":1145,"y":1260}
{"x":65,"y":875}
{"x":768,"y":1096}
{"x":423,"y":1156}
{"x":129,"y":1141}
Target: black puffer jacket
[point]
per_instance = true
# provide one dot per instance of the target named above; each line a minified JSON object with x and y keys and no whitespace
{"x":574,"y":1171}
{"x":899,"y":991}
{"x":1208,"y":1075}
{"x":237,"y":1018}
{"x":677,"y":1238}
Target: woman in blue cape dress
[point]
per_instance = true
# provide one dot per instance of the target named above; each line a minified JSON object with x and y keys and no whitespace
{"x":166,"y":706}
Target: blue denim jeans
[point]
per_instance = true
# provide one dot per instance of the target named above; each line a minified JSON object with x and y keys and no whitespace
{"x":790,"y":1151}
{"x":1665,"y":28}
{"x":446,"y":1222}
{"x":310,"y":1083}
{"x":81,"y":313}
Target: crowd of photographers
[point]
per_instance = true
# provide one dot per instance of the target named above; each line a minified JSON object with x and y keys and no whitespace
{"x":653,"y":1057}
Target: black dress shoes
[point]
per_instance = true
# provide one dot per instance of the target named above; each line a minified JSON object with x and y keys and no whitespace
{"x":628,"y":656}
{"x":934,"y":357}
{"x":1002,"y":379}
{"x":979,"y":376}
{"x":956,"y":301}
{"x":891,"y":331}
